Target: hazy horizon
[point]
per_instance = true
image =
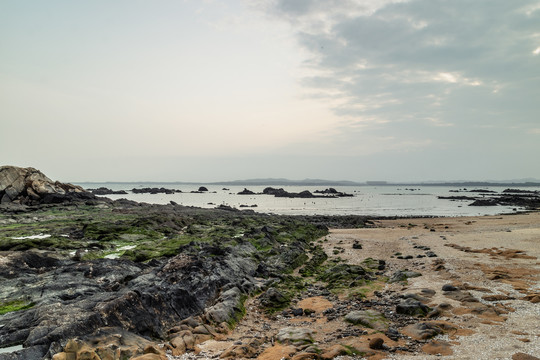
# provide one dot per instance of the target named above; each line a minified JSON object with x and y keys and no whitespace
{"x":285,"y":181}
{"x":215,"y":90}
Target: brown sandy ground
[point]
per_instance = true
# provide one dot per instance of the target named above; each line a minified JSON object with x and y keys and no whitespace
{"x":493,"y":261}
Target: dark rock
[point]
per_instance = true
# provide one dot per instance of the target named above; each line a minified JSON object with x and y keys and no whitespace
{"x":333,"y":192}
{"x":105,"y":191}
{"x":227,"y":208}
{"x":202,"y":189}
{"x":422,"y":330}
{"x":246,"y":192}
{"x":449,"y":287}
{"x":376,"y":343}
{"x":298,"y":312}
{"x":28,"y":353}
{"x":399,"y":276}
{"x":153,"y":191}
{"x":412,"y":307}
{"x":392,"y":333}
{"x":273,"y":298}
{"x":154,"y":299}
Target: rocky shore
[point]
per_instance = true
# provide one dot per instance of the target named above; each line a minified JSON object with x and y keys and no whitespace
{"x":327,"y":193}
{"x":91,"y":278}
{"x":525,"y":199}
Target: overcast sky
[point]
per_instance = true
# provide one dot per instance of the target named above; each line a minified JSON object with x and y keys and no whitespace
{"x":171,"y":90}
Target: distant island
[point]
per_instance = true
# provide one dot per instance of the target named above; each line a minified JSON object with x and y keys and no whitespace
{"x":323,"y":182}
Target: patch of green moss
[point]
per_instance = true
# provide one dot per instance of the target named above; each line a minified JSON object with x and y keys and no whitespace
{"x":366,"y":288}
{"x":352,"y":351}
{"x":288,"y":287}
{"x":239,"y":312}
{"x":15,"y":305}
{"x":342,"y":274}
{"x":312,"y":266}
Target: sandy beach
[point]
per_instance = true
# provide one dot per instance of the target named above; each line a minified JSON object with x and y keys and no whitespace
{"x":497,"y":255}
{"x":493,"y":313}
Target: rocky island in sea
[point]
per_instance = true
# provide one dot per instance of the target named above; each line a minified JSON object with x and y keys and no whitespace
{"x":85,"y":277}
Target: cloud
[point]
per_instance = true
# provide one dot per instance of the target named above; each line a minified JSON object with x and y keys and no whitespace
{"x":408,"y":69}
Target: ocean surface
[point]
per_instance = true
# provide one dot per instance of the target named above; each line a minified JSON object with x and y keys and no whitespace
{"x":367,"y":200}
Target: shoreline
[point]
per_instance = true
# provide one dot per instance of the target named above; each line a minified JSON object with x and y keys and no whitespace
{"x":317,"y":284}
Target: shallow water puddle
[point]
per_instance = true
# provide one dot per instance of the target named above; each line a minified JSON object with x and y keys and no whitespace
{"x":10,"y":349}
{"x":32,"y":237}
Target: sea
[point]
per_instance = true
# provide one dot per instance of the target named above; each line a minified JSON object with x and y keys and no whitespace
{"x":381,"y":201}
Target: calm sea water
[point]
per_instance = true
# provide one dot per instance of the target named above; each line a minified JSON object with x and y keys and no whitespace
{"x":367,"y":200}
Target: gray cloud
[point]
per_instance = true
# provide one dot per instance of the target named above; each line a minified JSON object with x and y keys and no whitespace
{"x":421,"y":65}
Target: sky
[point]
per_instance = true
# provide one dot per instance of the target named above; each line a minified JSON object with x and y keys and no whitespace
{"x":193,"y":90}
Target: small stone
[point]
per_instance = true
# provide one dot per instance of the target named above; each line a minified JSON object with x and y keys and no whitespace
{"x":298,"y":312}
{"x":376,"y":343}
{"x":412,"y":307}
{"x":392,"y":333}
{"x":449,"y":287}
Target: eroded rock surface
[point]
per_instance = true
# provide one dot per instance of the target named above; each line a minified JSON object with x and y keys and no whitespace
{"x":30,"y":186}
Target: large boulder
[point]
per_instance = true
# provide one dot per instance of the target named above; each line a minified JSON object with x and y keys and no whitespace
{"x":31,"y":186}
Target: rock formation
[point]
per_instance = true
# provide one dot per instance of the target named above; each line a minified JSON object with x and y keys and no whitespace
{"x":30,"y":186}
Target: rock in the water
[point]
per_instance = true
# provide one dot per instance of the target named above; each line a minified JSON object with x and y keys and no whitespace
{"x":246,"y":192}
{"x":106,"y":191}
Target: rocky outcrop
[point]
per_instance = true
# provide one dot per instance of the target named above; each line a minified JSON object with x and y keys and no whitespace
{"x":30,"y":186}
{"x":154,"y":191}
{"x":68,"y":278}
{"x":105,"y":191}
{"x":333,"y":192}
{"x":246,"y":192}
{"x":71,"y":298}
